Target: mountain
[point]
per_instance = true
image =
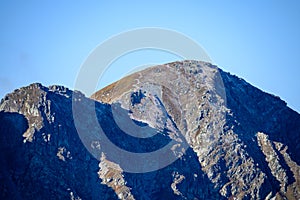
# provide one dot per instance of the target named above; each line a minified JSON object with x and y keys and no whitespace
{"x":183,"y":130}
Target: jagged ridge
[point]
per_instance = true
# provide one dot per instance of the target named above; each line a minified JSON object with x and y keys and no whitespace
{"x":243,"y":142}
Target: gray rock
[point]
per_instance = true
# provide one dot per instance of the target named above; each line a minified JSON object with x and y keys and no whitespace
{"x":228,"y":139}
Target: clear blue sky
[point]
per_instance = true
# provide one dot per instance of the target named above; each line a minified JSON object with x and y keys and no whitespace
{"x":47,"y":41}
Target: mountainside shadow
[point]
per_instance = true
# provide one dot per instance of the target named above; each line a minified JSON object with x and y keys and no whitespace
{"x":157,"y":184}
{"x":256,"y":111}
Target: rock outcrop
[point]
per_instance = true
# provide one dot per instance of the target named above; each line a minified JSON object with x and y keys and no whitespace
{"x":183,"y":130}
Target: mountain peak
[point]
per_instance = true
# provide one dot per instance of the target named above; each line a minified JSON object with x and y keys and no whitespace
{"x":182,"y":130}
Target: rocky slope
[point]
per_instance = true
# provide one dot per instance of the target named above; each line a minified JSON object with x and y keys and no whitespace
{"x":183,"y":130}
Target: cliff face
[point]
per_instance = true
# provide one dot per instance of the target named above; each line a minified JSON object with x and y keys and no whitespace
{"x":41,"y":153}
{"x":183,"y":130}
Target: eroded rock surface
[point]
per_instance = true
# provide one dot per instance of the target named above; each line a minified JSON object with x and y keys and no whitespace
{"x":221,"y":117}
{"x":225,"y":139}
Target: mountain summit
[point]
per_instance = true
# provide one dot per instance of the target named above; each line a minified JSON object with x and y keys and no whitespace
{"x":182,"y":130}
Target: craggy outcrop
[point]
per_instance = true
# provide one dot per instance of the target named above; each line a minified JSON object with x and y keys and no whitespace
{"x":197,"y":133}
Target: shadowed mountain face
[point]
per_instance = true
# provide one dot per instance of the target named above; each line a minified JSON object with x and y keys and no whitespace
{"x":183,"y":130}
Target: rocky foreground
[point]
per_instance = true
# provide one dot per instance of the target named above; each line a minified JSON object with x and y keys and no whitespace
{"x":183,"y":130}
